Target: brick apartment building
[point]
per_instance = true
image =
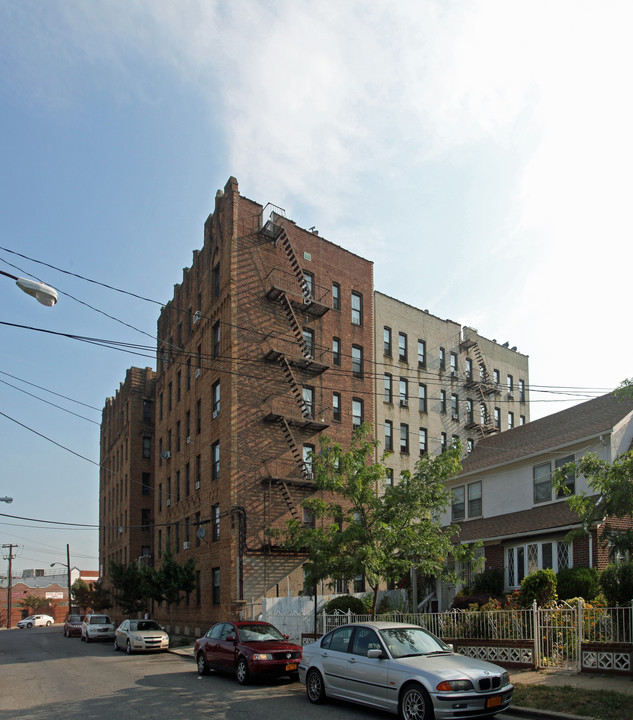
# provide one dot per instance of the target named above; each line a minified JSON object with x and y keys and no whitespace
{"x":269,"y":341}
{"x":437,"y":382}
{"x":126,"y":495}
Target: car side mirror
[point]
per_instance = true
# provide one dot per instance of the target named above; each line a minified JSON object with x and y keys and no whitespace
{"x":374,"y":653}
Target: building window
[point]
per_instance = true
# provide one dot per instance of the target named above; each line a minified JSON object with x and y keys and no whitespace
{"x":336,"y":406}
{"x":402,"y":347}
{"x":521,"y":419}
{"x":442,"y":359}
{"x":498,"y":418}
{"x":160,"y":406}
{"x":308,"y":460}
{"x":421,"y":397}
{"x":147,"y":411}
{"x":459,"y":504}
{"x":169,"y":396}
{"x":178,"y":436}
{"x":308,"y":342}
{"x":542,"y":483}
{"x":357,"y":361}
{"x":389,"y":477}
{"x":309,"y":281}
{"x":359,"y":584}
{"x":216,"y":280}
{"x":146,"y":483}
{"x":336,"y":351}
{"x":404,"y":438}
{"x":387,"y":341}
{"x":160,"y":543}
{"x":147,"y":446}
{"x":168,"y":491}
{"x":455,"y":406}
{"x":308,"y":518}
{"x":510,"y":420}
{"x":570,"y":479}
{"x":178,"y":386}
{"x":308,"y":401}
{"x":177,"y":485}
{"x":198,"y":589}
{"x":188,"y":374}
{"x":336,"y":296}
{"x":469,"y":369}
{"x":474,"y":500}
{"x":443,"y":401}
{"x":423,"y":440}
{"x":199,"y":417}
{"x":215,"y":397}
{"x":388,"y":388}
{"x":443,"y":442}
{"x":404,"y":392}
{"x":421,"y":353}
{"x":522,"y":391}
{"x":388,"y":435}
{"x":198,"y":471}
{"x":215,"y":586}
{"x":145,"y":519}
{"x":187,"y":480}
{"x":496,"y":376}
{"x":523,"y":560}
{"x":215,"y":523}
{"x":453,"y":363}
{"x":160,"y":497}
{"x":470,"y":445}
{"x":216,"y":340}
{"x":469,"y":412}
{"x":510,"y":384}
{"x":357,"y":413}
{"x":215,"y":461}
{"x":357,"y":309}
{"x":197,"y":526}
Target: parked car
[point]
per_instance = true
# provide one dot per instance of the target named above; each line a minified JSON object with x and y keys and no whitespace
{"x":96,"y":626}
{"x":72,"y":625}
{"x":247,"y":648}
{"x":136,"y":635}
{"x":403,"y":669}
{"x":35,"y":621}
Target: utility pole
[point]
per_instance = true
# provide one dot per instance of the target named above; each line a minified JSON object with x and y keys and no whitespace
{"x":10,"y":559}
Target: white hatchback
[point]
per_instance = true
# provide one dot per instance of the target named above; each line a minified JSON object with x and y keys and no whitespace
{"x":35,"y":621}
{"x":96,"y":626}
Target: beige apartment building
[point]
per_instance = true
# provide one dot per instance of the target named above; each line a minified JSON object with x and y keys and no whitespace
{"x":438,"y":382}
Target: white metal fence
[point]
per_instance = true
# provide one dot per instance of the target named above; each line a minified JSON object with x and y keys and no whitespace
{"x":561,"y":637}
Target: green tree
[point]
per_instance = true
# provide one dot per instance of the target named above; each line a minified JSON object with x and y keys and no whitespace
{"x":610,"y":497}
{"x":34,"y":603}
{"x":133,"y":586}
{"x":81,"y":594}
{"x":101,"y":599}
{"x":363,"y":527}
{"x":173,"y":579}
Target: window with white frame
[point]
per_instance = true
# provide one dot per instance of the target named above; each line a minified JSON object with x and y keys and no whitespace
{"x":469,"y":369}
{"x":467,"y":501}
{"x":421,"y":353}
{"x":215,"y":395}
{"x":454,"y":406}
{"x":526,"y":558}
{"x":542,"y":476}
{"x":308,"y":459}
{"x":388,"y":388}
{"x":388,"y":435}
{"x":308,"y":400}
{"x":357,"y":413}
{"x":454,"y":363}
{"x":404,"y":392}
{"x":423,"y":440}
{"x":422,"y":397}
{"x":570,"y":479}
{"x":402,"y":347}
{"x":336,"y":406}
{"x":357,"y":308}
{"x":387,"y":341}
{"x":404,"y":438}
{"x":357,"y":361}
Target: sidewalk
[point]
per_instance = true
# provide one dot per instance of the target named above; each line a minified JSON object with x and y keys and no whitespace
{"x":551,"y":678}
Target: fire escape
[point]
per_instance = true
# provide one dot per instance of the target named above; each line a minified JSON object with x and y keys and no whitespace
{"x":296,"y":414}
{"x":483,"y":387}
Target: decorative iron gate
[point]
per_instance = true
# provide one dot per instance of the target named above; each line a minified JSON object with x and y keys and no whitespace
{"x":558,"y":638}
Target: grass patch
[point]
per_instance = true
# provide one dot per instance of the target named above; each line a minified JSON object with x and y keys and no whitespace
{"x":600,"y":704}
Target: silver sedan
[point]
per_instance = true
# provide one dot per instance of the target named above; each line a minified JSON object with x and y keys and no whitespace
{"x":133,"y":635}
{"x":403,"y":669}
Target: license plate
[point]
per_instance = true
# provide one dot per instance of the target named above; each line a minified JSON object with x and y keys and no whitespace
{"x":494,"y":701}
{"x":291,"y":666}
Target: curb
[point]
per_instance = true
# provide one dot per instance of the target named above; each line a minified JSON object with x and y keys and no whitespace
{"x":537,"y":713}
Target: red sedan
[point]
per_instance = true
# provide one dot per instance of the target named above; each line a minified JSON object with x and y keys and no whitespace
{"x":72,"y":625}
{"x":247,"y":648}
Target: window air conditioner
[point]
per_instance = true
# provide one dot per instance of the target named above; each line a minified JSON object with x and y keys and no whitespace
{"x":165,"y":454}
{"x":188,"y":439}
{"x":168,"y":503}
{"x":198,"y":371}
{"x":185,"y":545}
{"x":196,"y":316}
{"x":198,"y":485}
{"x":404,"y":403}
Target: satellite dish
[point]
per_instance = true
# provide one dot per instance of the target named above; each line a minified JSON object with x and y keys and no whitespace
{"x":200,"y":533}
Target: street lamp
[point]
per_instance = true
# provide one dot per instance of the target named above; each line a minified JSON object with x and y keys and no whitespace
{"x":44,"y":294}
{"x":67,"y":566}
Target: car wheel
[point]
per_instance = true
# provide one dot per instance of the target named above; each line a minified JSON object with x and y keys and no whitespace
{"x":203,"y":668}
{"x":315,"y":688}
{"x":241,"y":671}
{"x":29,"y":625}
{"x":128,"y":648}
{"x":116,"y":646}
{"x":48,"y":623}
{"x":415,"y":703}
{"x":65,"y":632}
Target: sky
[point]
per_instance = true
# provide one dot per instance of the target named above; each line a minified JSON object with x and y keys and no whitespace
{"x":478,"y":152}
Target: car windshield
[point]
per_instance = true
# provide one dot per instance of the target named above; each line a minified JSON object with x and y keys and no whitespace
{"x":258,"y":631}
{"x":99,"y":620}
{"x":409,"y":641}
{"x":74,"y":618}
{"x":144,"y":625}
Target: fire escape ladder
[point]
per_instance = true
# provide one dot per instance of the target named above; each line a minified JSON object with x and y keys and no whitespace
{"x":285,"y":492}
{"x":485,"y":380}
{"x":294,"y":386}
{"x":294,"y":448}
{"x":482,"y":363}
{"x":297,"y":331}
{"x":296,"y":267}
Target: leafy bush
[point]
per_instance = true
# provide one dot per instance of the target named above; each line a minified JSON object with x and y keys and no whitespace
{"x":617,"y":583}
{"x":489,"y":582}
{"x":577,"y":582}
{"x":343,"y":603}
{"x":539,"y":586}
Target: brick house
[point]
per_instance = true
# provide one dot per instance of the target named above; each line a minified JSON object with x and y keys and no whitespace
{"x":504,"y":494}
